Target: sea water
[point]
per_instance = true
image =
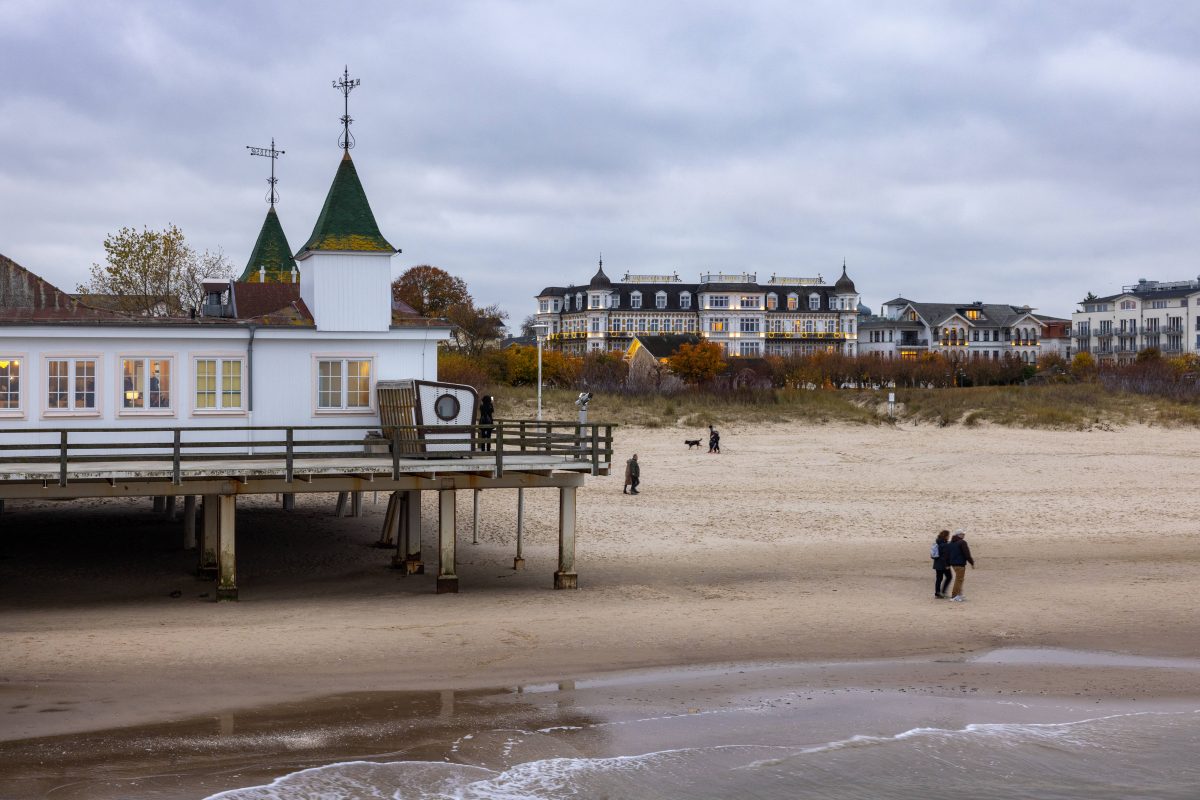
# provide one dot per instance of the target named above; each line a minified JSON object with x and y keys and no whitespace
{"x":769,"y":750}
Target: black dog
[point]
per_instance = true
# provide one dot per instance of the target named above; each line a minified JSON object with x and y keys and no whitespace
{"x":692,"y":443}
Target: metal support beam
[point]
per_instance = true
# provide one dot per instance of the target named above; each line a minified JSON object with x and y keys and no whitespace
{"x":210,"y":536}
{"x":153,"y":487}
{"x":189,"y":522}
{"x":519,"y":561}
{"x":447,"y":578}
{"x":565,"y":577}
{"x":226,"y":560}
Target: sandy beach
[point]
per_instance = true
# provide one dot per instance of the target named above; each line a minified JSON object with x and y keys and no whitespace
{"x":796,"y":545}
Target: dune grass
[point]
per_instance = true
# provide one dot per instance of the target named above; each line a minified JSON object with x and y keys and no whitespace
{"x":1056,"y":406}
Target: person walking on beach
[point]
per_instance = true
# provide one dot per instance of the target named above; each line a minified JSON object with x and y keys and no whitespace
{"x":941,"y":571}
{"x":487,"y":416}
{"x":633,"y":476}
{"x":714,"y":440}
{"x":958,"y":554}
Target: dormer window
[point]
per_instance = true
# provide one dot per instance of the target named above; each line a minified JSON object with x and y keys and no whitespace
{"x":973,"y":313}
{"x":793,"y":302}
{"x":579,"y":301}
{"x":814,"y":302}
{"x":772,"y":301}
{"x":635,"y":300}
{"x":685,"y":299}
{"x":614,"y":300}
{"x":595,"y":301}
{"x":660,"y":300}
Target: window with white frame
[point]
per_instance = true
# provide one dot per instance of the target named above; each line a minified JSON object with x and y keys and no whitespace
{"x":543,"y":306}
{"x":748,"y":349}
{"x":660,"y":300}
{"x":635,"y":300}
{"x":718,"y":301}
{"x":596,"y":301}
{"x":218,"y":383}
{"x":70,"y":385}
{"x":749,"y":325}
{"x":343,"y":384}
{"x":10,"y":384}
{"x":685,"y":299}
{"x":793,"y":302}
{"x":595,"y":324}
{"x":772,"y":301}
{"x":748,"y":301}
{"x":814,"y":302}
{"x":579,"y":301}
{"x":614,"y":300}
{"x":718,"y":325}
{"x":146,"y":384}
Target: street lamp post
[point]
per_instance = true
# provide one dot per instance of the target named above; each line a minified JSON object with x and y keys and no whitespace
{"x":539,"y":330}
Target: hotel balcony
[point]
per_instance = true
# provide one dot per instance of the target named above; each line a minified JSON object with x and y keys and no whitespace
{"x":562,"y":337}
{"x":805,"y":335}
{"x":912,"y":342}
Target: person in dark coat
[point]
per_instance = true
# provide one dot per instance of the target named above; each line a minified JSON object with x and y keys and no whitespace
{"x":958,"y":555}
{"x":633,"y":476}
{"x":487,"y":416}
{"x":714,"y":440}
{"x":941,"y":570}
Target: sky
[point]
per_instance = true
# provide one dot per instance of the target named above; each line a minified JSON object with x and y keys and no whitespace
{"x":1012,"y":152}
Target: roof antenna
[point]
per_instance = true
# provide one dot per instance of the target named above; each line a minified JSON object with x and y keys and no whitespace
{"x":346,"y":85}
{"x":271,"y":153}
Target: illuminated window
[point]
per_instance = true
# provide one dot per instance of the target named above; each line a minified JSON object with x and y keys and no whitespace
{"x":146,"y":384}
{"x":973,"y":313}
{"x":343,"y":384}
{"x":718,"y":325}
{"x":10,"y":384}
{"x":793,"y":302}
{"x":772,"y":301}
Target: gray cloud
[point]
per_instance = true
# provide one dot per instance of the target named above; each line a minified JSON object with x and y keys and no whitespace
{"x":1004,"y":151}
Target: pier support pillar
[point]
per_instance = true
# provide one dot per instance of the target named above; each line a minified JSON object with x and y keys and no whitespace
{"x":169,"y":509}
{"x":160,"y":503}
{"x":411,"y":527}
{"x":226,"y":560}
{"x":519,"y":561}
{"x":387,"y":535}
{"x":189,"y":522}
{"x":289,"y":502}
{"x":447,"y":578}
{"x":566,"y":577}
{"x":340,"y":509}
{"x":356,"y":504}
{"x":209,"y":536}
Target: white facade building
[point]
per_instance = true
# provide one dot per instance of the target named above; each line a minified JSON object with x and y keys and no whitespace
{"x":746,"y":318}
{"x":1149,"y":314}
{"x":907,"y":329}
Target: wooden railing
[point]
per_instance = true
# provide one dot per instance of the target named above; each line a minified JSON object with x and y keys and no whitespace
{"x":578,"y":443}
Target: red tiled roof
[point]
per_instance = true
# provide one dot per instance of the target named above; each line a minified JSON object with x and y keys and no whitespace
{"x":25,"y":297}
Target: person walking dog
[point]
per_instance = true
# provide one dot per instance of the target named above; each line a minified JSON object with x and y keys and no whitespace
{"x":633,"y":476}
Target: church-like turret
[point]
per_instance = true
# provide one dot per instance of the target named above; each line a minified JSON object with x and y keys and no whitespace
{"x":271,"y":260}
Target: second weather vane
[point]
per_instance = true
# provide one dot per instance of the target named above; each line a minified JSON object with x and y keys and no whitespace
{"x":271,"y":153}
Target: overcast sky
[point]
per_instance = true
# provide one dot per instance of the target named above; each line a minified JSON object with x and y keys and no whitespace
{"x":1020,"y":152}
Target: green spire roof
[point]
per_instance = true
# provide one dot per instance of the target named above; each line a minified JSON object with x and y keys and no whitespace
{"x":272,"y":252}
{"x":346,"y":221}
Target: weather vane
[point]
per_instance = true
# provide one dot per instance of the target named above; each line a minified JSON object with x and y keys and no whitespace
{"x":271,"y":153}
{"x":345,"y":86}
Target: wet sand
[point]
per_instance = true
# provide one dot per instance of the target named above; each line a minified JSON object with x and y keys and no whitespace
{"x":797,"y":544}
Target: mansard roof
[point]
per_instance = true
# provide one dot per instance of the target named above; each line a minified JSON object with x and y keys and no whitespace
{"x":346,"y":221}
{"x":992,"y":314}
{"x":271,"y":252}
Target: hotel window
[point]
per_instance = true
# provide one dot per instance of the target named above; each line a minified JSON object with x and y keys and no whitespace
{"x":772,"y":301}
{"x":635,"y":300}
{"x":748,"y":349}
{"x":579,"y":301}
{"x":814,"y":302}
{"x":660,"y":300}
{"x":654,"y":325}
{"x":543,"y":306}
{"x":748,"y":302}
{"x":614,"y":301}
{"x":595,"y":324}
{"x":10,"y":384}
{"x":972,"y":313}
{"x":595,"y":301}
{"x":555,"y":307}
{"x":641,"y":324}
{"x":749,"y":325}
{"x":718,"y":325}
{"x":685,"y":300}
{"x":343,"y":384}
{"x":718,"y":301}
{"x":145,"y":384}
{"x":218,"y":384}
{"x":70,"y":385}
{"x":793,"y":302}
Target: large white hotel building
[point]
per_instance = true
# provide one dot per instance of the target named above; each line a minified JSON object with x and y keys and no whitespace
{"x":782,"y":316}
{"x":1164,"y":315}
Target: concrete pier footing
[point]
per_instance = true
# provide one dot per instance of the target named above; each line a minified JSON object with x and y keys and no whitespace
{"x":565,"y":577}
{"x":209,"y":536}
{"x":447,"y":577}
{"x":226,"y":553}
{"x":189,"y":522}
